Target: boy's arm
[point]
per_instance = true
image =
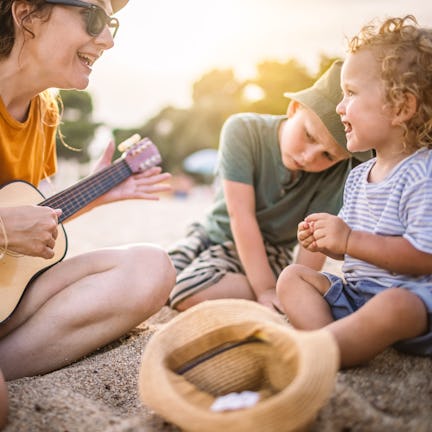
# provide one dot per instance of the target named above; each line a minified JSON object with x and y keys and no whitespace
{"x":240,"y":200}
{"x":395,"y":254}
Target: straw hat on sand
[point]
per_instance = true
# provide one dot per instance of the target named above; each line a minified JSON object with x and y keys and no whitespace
{"x":234,"y":365}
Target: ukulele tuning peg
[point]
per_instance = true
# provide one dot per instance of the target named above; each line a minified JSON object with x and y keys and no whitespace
{"x":151,"y":162}
{"x":126,"y":144}
{"x":146,"y":142}
{"x":145,"y":165}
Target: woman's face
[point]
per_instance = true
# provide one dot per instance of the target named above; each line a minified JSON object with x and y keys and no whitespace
{"x":62,"y":53}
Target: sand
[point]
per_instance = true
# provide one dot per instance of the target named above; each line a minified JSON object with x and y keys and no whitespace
{"x":99,"y":393}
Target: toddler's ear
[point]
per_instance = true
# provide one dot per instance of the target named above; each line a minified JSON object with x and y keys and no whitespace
{"x":293,"y":106}
{"x":406,"y":109}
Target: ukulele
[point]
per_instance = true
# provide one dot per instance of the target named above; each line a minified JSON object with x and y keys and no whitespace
{"x":18,"y":271}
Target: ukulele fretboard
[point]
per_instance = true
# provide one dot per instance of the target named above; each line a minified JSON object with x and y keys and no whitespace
{"x":74,"y":198}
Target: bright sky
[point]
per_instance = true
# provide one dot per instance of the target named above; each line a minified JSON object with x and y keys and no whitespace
{"x":164,"y":46}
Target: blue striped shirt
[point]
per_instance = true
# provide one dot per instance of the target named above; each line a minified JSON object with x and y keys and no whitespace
{"x":400,"y":205}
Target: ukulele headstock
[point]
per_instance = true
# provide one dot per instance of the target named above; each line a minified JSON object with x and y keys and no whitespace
{"x":142,"y":155}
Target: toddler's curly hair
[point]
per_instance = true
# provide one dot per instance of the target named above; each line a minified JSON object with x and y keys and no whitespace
{"x":404,"y":50}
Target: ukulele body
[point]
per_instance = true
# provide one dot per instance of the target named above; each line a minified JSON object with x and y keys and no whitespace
{"x":16,"y":272}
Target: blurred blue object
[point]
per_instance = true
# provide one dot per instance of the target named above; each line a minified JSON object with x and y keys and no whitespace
{"x":201,"y":162}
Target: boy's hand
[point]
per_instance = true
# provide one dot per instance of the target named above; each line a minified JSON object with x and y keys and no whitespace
{"x":330,"y":234}
{"x":269,"y":299}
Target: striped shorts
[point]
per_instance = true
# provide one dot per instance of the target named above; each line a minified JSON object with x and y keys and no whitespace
{"x":201,"y":263}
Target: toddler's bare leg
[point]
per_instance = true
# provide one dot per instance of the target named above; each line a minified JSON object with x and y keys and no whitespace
{"x":300,"y":291}
{"x":390,"y":316}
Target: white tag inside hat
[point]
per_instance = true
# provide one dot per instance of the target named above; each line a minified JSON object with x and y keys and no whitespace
{"x":235,"y":401}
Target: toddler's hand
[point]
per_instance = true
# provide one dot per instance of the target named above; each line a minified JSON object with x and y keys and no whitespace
{"x":330,"y":233}
{"x":305,"y":235}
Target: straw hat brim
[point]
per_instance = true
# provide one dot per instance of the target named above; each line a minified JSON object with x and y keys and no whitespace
{"x":224,"y":346}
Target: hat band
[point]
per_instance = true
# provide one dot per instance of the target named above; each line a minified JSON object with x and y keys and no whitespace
{"x":214,"y":352}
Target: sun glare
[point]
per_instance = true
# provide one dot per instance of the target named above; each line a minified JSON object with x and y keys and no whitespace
{"x":163,"y":47}
{"x":190,"y":35}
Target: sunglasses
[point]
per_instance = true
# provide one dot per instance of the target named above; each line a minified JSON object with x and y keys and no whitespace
{"x":96,"y":19}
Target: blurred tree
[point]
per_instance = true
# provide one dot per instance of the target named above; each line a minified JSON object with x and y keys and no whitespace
{"x":215,"y":96}
{"x":77,"y":128}
{"x":275,"y":78}
{"x":167,"y":130}
{"x":180,"y":132}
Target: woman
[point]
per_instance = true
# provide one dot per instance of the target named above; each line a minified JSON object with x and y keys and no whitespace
{"x":87,"y":301}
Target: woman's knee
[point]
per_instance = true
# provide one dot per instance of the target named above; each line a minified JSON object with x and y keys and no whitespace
{"x":154,"y":275}
{"x":154,"y":261}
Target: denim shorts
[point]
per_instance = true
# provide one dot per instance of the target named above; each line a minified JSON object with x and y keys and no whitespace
{"x":345,"y":298}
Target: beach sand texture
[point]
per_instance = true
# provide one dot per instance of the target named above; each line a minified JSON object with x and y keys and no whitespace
{"x":99,"y":393}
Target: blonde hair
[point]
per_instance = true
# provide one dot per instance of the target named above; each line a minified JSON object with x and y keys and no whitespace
{"x":404,"y":51}
{"x":51,"y":109}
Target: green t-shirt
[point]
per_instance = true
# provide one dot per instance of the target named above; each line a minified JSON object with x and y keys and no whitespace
{"x":250,"y":153}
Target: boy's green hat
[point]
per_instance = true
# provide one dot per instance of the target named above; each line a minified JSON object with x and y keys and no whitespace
{"x":322,"y":98}
{"x":118,"y":4}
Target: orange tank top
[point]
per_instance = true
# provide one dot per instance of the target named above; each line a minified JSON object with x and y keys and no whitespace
{"x":27,"y":149}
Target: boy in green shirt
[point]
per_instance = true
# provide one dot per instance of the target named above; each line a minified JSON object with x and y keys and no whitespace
{"x":273,"y":171}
